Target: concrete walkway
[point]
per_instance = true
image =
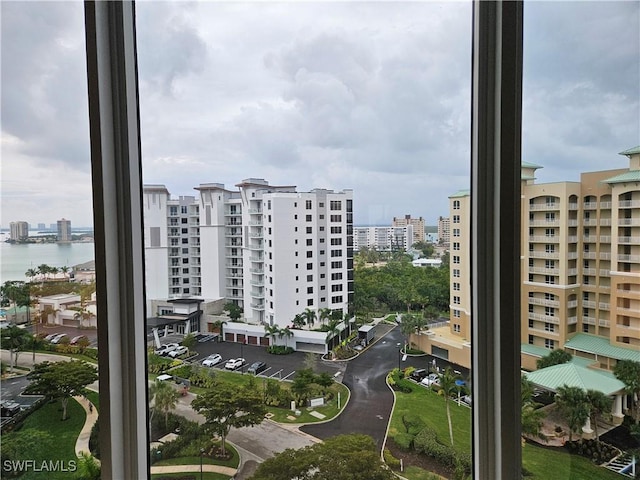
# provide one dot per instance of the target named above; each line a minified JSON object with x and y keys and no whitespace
{"x":206,"y":467}
{"x":82,"y":443}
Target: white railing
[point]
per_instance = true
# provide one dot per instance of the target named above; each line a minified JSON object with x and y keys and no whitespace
{"x":605,"y":222}
{"x":544,"y":271}
{"x":605,"y":238}
{"x":589,"y":255}
{"x":603,"y":323}
{"x":572,"y":304}
{"x":544,"y":223}
{"x":589,"y":303}
{"x":629,"y":221}
{"x":544,"y":206}
{"x":553,"y":255}
{"x":588,"y":271}
{"x":603,"y":306}
{"x":605,"y":272}
{"x":628,"y":203}
{"x":605,"y":255}
{"x":590,"y":222}
{"x":590,"y":205}
{"x":542,"y":301}
{"x":572,"y":320}
{"x":605,"y":205}
{"x":629,"y":258}
{"x":589,"y":320}
{"x":629,"y":240}
{"x":544,"y":318}
{"x":573,"y":206}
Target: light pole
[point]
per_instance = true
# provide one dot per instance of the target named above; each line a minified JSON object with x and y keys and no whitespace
{"x":399,"y":355}
{"x":201,"y":452}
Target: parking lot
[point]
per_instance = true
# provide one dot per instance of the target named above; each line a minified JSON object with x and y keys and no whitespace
{"x":281,"y":367}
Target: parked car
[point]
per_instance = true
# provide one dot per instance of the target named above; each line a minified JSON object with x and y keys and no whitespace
{"x":58,"y":338}
{"x":181,"y":350}
{"x":165,"y":349}
{"x":212,"y":360}
{"x":257,"y":367}
{"x":418,"y":374}
{"x":467,"y":399}
{"x":235,"y":363}
{"x":431,"y":379}
{"x":76,"y":339}
{"x":51,"y":336}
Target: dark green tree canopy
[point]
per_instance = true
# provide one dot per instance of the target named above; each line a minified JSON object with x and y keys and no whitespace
{"x":345,"y":457}
{"x":628,"y":372}
{"x":234,"y":311}
{"x":61,"y":380}
{"x":555,"y":357}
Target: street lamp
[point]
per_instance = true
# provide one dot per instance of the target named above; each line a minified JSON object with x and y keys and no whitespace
{"x":201,"y":452}
{"x":399,"y":355}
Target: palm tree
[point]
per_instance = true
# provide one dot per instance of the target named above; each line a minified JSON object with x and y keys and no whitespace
{"x":599,"y":403}
{"x":447,"y":388}
{"x":271,"y":331}
{"x":531,"y":416}
{"x":332,"y":329}
{"x":572,"y":402}
{"x":164,"y":398}
{"x":54,"y":271}
{"x":310,"y":316}
{"x":298,"y":320}
{"x":47,"y":312}
{"x":285,"y":332}
{"x":14,"y":339}
{"x":31,"y":273}
{"x":64,"y":269}
{"x":43,"y":270}
{"x":324,"y":314}
{"x":82,"y":315}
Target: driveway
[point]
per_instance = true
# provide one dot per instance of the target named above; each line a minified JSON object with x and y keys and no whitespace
{"x":369,"y":408}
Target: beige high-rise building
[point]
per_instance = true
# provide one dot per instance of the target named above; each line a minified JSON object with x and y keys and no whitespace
{"x":444,"y":230}
{"x":416,"y":223}
{"x":64,"y":231}
{"x":580,"y":265}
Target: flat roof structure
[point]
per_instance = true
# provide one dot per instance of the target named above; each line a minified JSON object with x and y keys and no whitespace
{"x":595,"y":345}
{"x":574,"y":375}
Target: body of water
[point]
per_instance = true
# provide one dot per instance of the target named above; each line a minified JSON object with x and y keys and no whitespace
{"x":15,"y":260}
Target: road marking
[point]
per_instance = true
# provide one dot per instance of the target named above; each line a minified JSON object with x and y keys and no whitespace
{"x":288,"y":375}
{"x":279,"y":371}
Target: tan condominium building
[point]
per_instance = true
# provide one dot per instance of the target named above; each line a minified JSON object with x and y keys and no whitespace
{"x":416,"y":223}
{"x":444,"y":230}
{"x":580,"y":266}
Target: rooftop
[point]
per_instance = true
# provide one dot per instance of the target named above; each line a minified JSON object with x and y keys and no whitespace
{"x":631,"y":151}
{"x":584,"y":342}
{"x":630,"y":176}
{"x":573,"y":375}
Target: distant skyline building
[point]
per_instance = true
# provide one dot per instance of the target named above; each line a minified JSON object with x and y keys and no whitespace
{"x":64,"y":230}
{"x":269,"y":249}
{"x":444,"y":230}
{"x":41,"y":226}
{"x":416,"y":223}
{"x":383,"y":239}
{"x":18,"y":231}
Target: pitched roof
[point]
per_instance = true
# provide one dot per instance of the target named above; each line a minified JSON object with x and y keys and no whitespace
{"x":461,"y":193}
{"x":534,"y":350}
{"x":554,"y":377}
{"x":631,"y":151}
{"x":530,"y":165}
{"x":630,"y":176}
{"x":584,"y":342}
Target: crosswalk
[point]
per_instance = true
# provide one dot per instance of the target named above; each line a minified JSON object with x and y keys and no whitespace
{"x":625,"y":464}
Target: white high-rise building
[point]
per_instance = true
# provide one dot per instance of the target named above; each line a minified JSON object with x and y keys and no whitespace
{"x":383,"y":239}
{"x":269,"y":249}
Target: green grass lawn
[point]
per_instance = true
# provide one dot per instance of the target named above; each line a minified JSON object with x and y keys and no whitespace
{"x":60,"y":440}
{"x":205,"y":475}
{"x":542,"y":463}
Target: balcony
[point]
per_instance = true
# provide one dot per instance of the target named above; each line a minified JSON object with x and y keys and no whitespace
{"x":233,"y":275}
{"x":255,"y":211}
{"x":590,"y":239}
{"x":256,"y":235}
{"x":590,"y":222}
{"x":544,"y":239}
{"x":589,"y":304}
{"x":544,"y":223}
{"x":605,"y":238}
{"x":629,"y":310}
{"x":605,"y":222}
{"x":233,"y":254}
{"x":572,"y":255}
{"x":589,"y":255}
{"x":572,"y":223}
{"x":603,"y":323}
{"x":256,"y":246}
{"x":237,"y":295}
{"x":625,"y":222}
{"x":605,"y":255}
{"x":628,"y":327}
{"x":590,"y":205}
{"x":544,"y":302}
{"x":256,"y":223}
{"x":544,"y":271}
{"x":544,"y":332}
{"x":544,"y":318}
{"x":572,"y":304}
{"x":257,"y":283}
{"x":588,"y":271}
{"x":233,"y":233}
{"x":232,"y":213}
{"x":604,"y":272}
{"x":629,"y":204}
{"x":572,"y":271}
{"x":234,"y":265}
{"x":589,"y":320}
{"x":257,"y":294}
{"x":258,"y":271}
{"x":629,"y":240}
{"x":544,"y":206}
{"x":257,"y":306}
{"x":572,"y":320}
{"x":257,"y":258}
{"x":605,"y":205}
{"x":552,"y":255}
{"x":603,"y":306}
{"x":629,"y":258}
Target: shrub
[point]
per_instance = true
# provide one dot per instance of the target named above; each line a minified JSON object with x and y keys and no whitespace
{"x":413,"y":423}
{"x":404,"y":440}
{"x":390,"y":460}
{"x":280,"y":350}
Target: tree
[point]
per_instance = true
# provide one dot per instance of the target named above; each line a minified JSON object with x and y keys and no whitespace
{"x":16,"y":293}
{"x":345,"y":457}
{"x":189,"y":340}
{"x":298,"y":320}
{"x":88,"y":467}
{"x":572,"y":402}
{"x":31,"y":273}
{"x":628,"y":372}
{"x":234,"y":311}
{"x":531,"y":416}
{"x":65,"y":270}
{"x":599,"y":403}
{"x":15,"y":340}
{"x":229,"y":406}
{"x":271,"y":331}
{"x":164,"y":398}
{"x":324,"y":314}
{"x":285,"y":332}
{"x":556,"y":357}
{"x":448,"y":388}
{"x":61,"y":380}
{"x":333,"y":330}
{"x":310,"y":316}
{"x":425,"y":248}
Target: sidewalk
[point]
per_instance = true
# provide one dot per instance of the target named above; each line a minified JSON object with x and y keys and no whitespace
{"x":206,"y":467}
{"x":82,"y":443}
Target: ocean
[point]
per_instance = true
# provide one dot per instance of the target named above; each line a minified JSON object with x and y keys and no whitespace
{"x":15,"y":260}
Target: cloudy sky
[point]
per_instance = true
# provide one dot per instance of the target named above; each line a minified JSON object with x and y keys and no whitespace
{"x":370,"y":96}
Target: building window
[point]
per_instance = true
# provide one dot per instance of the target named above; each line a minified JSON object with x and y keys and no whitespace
{"x":336,"y":253}
{"x":456,"y":245}
{"x":309,"y":218}
{"x":336,"y":230}
{"x":549,"y":327}
{"x":550,"y":344}
{"x":456,"y":232}
{"x":456,"y":259}
{"x":335,"y":218}
{"x":308,"y":204}
{"x":309,"y":254}
{"x":309,"y":241}
{"x":456,"y":313}
{"x":456,"y":219}
{"x":336,"y":264}
{"x":336,"y":288}
{"x":309,"y":266}
{"x":456,"y":204}
{"x":335,"y":205}
{"x":456,"y":300}
{"x":336,"y":241}
{"x":456,"y":273}
{"x":456,"y":286}
{"x":310,"y":302}
{"x":309,"y":289}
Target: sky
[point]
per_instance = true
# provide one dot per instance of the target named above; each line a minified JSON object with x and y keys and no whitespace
{"x":369,"y":96}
